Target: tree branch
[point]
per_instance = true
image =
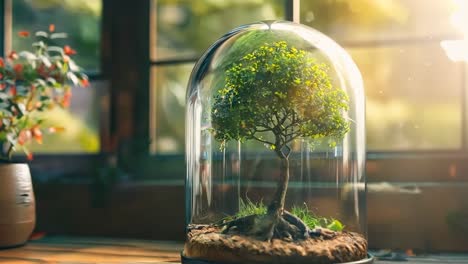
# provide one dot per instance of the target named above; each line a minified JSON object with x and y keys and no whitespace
{"x":277,"y":119}
{"x":297,"y":131}
{"x":292,"y":138}
{"x":263,"y":130}
{"x":265,"y":125}
{"x":285,"y":116}
{"x":262,"y":140}
{"x":269,"y":119}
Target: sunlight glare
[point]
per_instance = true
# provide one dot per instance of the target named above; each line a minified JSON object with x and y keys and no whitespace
{"x":457,"y":50}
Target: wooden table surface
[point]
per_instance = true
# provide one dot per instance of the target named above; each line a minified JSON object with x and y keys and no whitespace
{"x":76,"y":250}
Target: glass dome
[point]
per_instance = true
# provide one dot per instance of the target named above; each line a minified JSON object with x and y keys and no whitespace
{"x":275,"y":150}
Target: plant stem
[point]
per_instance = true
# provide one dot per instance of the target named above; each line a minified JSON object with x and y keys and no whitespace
{"x":10,"y":151}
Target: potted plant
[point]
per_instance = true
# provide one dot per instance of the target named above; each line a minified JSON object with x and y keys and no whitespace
{"x":273,"y":87}
{"x":31,"y":82}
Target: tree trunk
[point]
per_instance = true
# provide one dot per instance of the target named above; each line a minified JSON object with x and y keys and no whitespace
{"x":276,"y":206}
{"x":278,"y":223}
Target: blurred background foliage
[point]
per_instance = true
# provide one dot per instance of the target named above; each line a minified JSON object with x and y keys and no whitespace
{"x":81,"y":20}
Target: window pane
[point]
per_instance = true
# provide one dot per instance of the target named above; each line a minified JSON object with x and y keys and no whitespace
{"x":169,"y":84}
{"x":187,"y":28}
{"x":370,"y":20}
{"x":414,"y":91}
{"x":413,"y":97}
{"x":81,"y":122}
{"x":80,"y":19}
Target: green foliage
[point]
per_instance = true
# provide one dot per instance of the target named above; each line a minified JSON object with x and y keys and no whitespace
{"x":31,"y":83}
{"x":247,"y":208}
{"x":276,"y":94}
{"x":250,"y":208}
{"x":335,"y":225}
{"x":314,"y":221}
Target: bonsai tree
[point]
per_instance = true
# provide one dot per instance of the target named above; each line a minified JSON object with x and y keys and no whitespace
{"x":32,"y":82}
{"x":275,"y":95}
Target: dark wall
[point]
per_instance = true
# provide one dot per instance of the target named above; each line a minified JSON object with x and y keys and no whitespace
{"x":428,"y":219}
{"x":126,"y":210}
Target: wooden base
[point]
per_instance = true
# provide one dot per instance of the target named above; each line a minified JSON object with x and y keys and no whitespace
{"x":210,"y":244}
{"x":185,"y":260}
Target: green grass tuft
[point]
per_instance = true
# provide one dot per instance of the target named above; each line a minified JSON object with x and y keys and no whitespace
{"x":247,"y":207}
{"x":251,"y":208}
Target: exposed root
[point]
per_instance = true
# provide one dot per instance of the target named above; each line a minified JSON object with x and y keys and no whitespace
{"x":240,"y":225}
{"x":286,"y":227}
{"x":297,"y":222}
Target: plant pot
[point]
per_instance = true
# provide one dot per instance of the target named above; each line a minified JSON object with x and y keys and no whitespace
{"x":17,"y":205}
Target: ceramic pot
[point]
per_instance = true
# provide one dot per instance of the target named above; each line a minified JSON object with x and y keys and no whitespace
{"x":17,"y":205}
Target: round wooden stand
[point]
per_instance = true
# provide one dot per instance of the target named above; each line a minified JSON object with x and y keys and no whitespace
{"x":185,"y":260}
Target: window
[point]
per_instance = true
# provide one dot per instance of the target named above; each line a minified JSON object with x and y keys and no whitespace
{"x":81,"y":20}
{"x":414,"y":91}
{"x":414,"y":98}
{"x":181,"y":32}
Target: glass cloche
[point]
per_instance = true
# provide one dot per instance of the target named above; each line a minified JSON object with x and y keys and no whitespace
{"x":275,"y":150}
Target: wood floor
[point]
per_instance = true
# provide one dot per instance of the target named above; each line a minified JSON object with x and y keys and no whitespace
{"x":76,"y":250}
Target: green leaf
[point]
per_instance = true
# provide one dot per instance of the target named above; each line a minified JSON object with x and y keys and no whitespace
{"x":65,"y":68}
{"x":72,"y":77}
{"x":73,"y":66}
{"x":39,"y":44}
{"x":51,"y":80}
{"x":3,"y":135}
{"x":58,"y":35}
{"x":55,"y":49}
{"x":42,"y":34}
{"x":21,"y":109}
{"x":46,"y":61}
{"x":40,"y":82}
{"x":27,"y":55}
{"x":335,"y":225}
{"x":314,"y":221}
